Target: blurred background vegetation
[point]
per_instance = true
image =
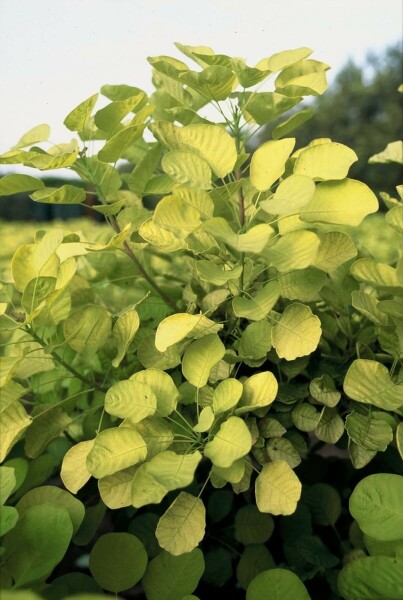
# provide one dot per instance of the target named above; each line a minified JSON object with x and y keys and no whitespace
{"x":362,"y":109}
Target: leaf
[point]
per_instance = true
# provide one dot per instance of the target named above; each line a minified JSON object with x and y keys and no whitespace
{"x":335,"y":249}
{"x":117,"y":561}
{"x":268,"y":162}
{"x":31,"y":553}
{"x":369,"y":382}
{"x":303,"y":284}
{"x":200,"y":357}
{"x":115,"y":490}
{"x":259,"y":390}
{"x":344,"y":202}
{"x":172,"y":577}
{"x":399,"y":439}
{"x":226,"y":395}
{"x":259,"y":306}
{"x":215,"y":274}
{"x":292,"y":123}
{"x":305,"y":417}
{"x":325,"y":161}
{"x":297,"y":333}
{"x":330,"y":427}
{"x":53,"y":496}
{"x":214,"y":83}
{"x":292,"y":194}
{"x":394,"y":218}
{"x":37,"y":134}
{"x":123,"y":332}
{"x":378,"y":274}
{"x":162,"y":386}
{"x":74,"y":472}
{"x":294,"y":250}
{"x":187,"y":168}
{"x":231,"y":474}
{"x":109,"y":117}
{"x":182,"y":526}
{"x":78,"y":118}
{"x":205,"y":420}
{"x":324,"y":502}
{"x":376,"y":505}
{"x":13,"y":422}
{"x":115,"y":449}
{"x":277,"y":489}
{"x":131,"y":400}
{"x":282,"y":449}
{"x":67,"y":194}
{"x":155,"y":432}
{"x":46,"y":162}
{"x":8,"y":483}
{"x":255,"y":341}
{"x":324,"y":390}
{"x":393,"y":153}
{"x":255,"y":559}
{"x":303,"y":78}
{"x":232,"y":441}
{"x":252,"y":526}
{"x":372,"y":577}
{"x":88,"y":329}
{"x":8,"y":519}
{"x":17,"y":183}
{"x":368,"y":432}
{"x":165,"y":472}
{"x":117,"y":145}
{"x":176,"y":327}
{"x":283,"y":585}
{"x":281,"y":60}
{"x":45,"y":427}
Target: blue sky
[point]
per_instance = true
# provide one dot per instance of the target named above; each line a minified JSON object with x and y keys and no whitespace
{"x":55,"y":53}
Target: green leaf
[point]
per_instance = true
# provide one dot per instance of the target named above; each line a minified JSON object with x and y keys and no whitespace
{"x":252,"y":526}
{"x":16,"y":183}
{"x":232,"y":441}
{"x":303,"y":284}
{"x":31,"y":553}
{"x":325,"y":161}
{"x":344,"y":202}
{"x":74,"y":472}
{"x":109,"y":117}
{"x":292,"y":123}
{"x":214,"y":83}
{"x":67,"y":194}
{"x":118,"y":561}
{"x":259,"y":390}
{"x":330,"y":427}
{"x":378,"y":274}
{"x":369,"y":382}
{"x":277,"y":489}
{"x":131,"y":400}
{"x":226,"y":395}
{"x":399,"y":439}
{"x":231,"y":474}
{"x":78,"y":118}
{"x":297,"y":333}
{"x":123,"y":332}
{"x":144,"y":170}
{"x":305,"y":417}
{"x":294,"y":250}
{"x":266,"y":106}
{"x":46,"y":162}
{"x":283,"y":585}
{"x":255,"y":341}
{"x":376,"y":504}
{"x":151,"y":358}
{"x":292,"y":194}
{"x":324,"y":390}
{"x":303,"y":78}
{"x":335,"y":249}
{"x":115,"y":449}
{"x":88,"y":329}
{"x":255,"y":559}
{"x":119,"y":143}
{"x":115,"y":490}
{"x":368,"y":432}
{"x":162,"y":387}
{"x":181,"y":527}
{"x":8,"y":519}
{"x":8,"y":483}
{"x":372,"y":577}
{"x":200,"y":357}
{"x":216,"y":274}
{"x":165,"y":472}
{"x":268,"y":162}
{"x":324,"y":502}
{"x":13,"y":422}
{"x":171,"y":577}
{"x":394,"y":218}
{"x":187,"y":168}
{"x":45,"y":427}
{"x":37,"y":134}
{"x":51,"y":495}
{"x":282,"y":449}
{"x":258,"y":307}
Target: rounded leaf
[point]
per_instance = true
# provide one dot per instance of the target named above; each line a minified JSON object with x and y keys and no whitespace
{"x":283,"y":585}
{"x":182,"y":526}
{"x":277,"y":488}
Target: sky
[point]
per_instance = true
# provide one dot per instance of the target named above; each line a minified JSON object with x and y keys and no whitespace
{"x":56,"y":53}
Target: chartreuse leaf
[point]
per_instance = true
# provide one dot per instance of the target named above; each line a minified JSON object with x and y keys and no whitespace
{"x":305,"y":417}
{"x":210,"y":142}
{"x":123,"y":332}
{"x":369,"y":382}
{"x":257,"y":308}
{"x":297,"y":333}
{"x":46,"y":427}
{"x":13,"y":422}
{"x":268,"y":162}
{"x":205,"y":420}
{"x":216,"y":274}
{"x":282,"y":449}
{"x":368,"y":432}
{"x":67,"y":194}
{"x":302,"y":285}
{"x":283,"y":585}
{"x":252,"y":526}
{"x":165,"y":472}
{"x":330,"y":427}
{"x":294,"y":250}
{"x":214,"y":83}
{"x":200,"y":357}
{"x":88,"y":329}
{"x":31,"y":553}
{"x":231,"y":474}
{"x":372,"y":577}
{"x":176,"y":327}
{"x":259,"y":390}
{"x":8,"y":519}
{"x":115,"y":449}
{"x":16,"y":183}
{"x":255,"y":341}
{"x":37,"y":134}
{"x":119,"y":143}
{"x":394,"y":218}
{"x":324,"y":390}
{"x":172,"y":577}
{"x":51,"y":495}
{"x":8,"y":482}
{"x":115,"y":490}
{"x":118,"y":561}
{"x":226,"y":395}
{"x":182,"y":526}
{"x":177,"y":216}
{"x":281,"y":60}
{"x":325,"y":161}
{"x":335,"y":249}
{"x":393,"y":153}
{"x":292,"y":123}
{"x":265,"y":106}
{"x":344,"y":202}
{"x":45,"y":162}
{"x":376,"y":505}
{"x":109,"y":117}
{"x":306,"y":77}
{"x":131,"y":400}
{"x":379,"y":274}
{"x":78,"y":118}
{"x":232,"y":441}
{"x":399,"y":438}
{"x":277,"y":489}
{"x":162,"y":386}
{"x":291,"y":195}
{"x":74,"y":472}
{"x":187,"y":168}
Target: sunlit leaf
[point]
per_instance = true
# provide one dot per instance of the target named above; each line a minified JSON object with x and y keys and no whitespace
{"x":325,"y":161}
{"x":115,"y":449}
{"x":268,"y":162}
{"x":181,"y":527}
{"x":297,"y":333}
{"x":232,"y":441}
{"x":278,"y":489}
